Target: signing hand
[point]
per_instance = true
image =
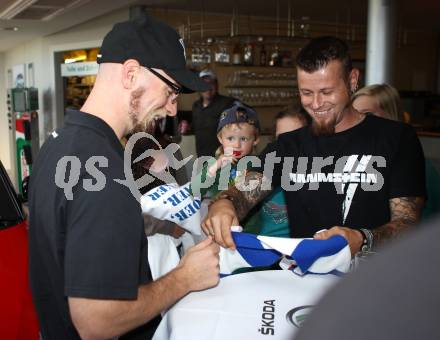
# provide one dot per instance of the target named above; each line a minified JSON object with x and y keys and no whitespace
{"x":200,"y":265}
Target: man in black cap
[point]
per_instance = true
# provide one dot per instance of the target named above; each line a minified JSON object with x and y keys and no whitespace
{"x":206,"y":114}
{"x":89,"y":272}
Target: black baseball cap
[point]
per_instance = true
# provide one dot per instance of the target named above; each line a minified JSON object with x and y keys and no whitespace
{"x":153,"y":44}
{"x":238,"y":113}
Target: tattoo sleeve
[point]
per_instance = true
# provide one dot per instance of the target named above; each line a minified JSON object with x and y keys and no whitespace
{"x":405,"y":212}
{"x":248,"y":192}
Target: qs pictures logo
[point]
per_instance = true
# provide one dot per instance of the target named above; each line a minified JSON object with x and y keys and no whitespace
{"x":297,"y":315}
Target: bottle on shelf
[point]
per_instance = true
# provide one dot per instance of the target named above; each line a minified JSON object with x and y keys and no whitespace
{"x":263,"y":56}
{"x":275,"y":57}
{"x":236,"y":55}
{"x":248,"y":54}
{"x":205,"y":53}
{"x":286,"y":60}
{"x":221,"y":55}
{"x":196,"y":54}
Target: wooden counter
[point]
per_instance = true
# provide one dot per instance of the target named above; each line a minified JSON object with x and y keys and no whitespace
{"x":428,"y":134}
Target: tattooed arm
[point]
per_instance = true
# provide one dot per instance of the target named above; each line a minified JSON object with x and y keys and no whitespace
{"x":233,"y":205}
{"x":247,"y":193}
{"x":405,"y":212}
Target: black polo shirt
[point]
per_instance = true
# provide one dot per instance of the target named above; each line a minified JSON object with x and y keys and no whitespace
{"x":205,"y":122}
{"x":87,"y":241}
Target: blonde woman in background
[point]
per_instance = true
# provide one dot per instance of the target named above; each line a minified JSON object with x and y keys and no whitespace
{"x":383,"y":100}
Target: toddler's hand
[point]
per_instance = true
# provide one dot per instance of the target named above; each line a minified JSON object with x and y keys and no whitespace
{"x":220,"y":163}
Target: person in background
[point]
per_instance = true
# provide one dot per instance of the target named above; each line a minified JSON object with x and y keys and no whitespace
{"x":206,"y":114}
{"x":290,"y":119}
{"x":321,"y":167}
{"x":383,"y":100}
{"x":238,"y":131}
{"x":89,"y":271}
{"x":273,"y":220}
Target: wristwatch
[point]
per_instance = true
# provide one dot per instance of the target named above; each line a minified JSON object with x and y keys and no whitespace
{"x":367,"y":242}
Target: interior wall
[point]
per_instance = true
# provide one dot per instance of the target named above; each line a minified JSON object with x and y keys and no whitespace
{"x":416,"y":61}
{"x":86,"y":35}
{"x":431,"y":147}
{"x":5,"y":154}
{"x":438,"y":64}
{"x":40,"y":52}
{"x":30,"y":52}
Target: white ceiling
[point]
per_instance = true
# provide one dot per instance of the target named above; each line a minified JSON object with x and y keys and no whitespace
{"x":425,"y":15}
{"x":31,"y":29}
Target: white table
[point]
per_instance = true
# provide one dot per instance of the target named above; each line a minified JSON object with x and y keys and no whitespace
{"x":246,"y":306}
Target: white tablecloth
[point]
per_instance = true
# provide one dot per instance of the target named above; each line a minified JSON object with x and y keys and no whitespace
{"x":256,"y":305}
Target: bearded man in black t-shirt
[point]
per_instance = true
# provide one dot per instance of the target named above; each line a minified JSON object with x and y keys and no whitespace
{"x":347,"y":173}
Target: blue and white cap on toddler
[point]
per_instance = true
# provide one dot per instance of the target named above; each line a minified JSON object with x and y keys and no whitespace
{"x":238,"y":113}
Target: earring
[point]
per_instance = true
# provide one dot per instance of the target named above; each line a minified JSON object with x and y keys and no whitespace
{"x":354,"y":89}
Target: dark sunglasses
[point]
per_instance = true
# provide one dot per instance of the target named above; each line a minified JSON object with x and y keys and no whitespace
{"x":176,"y":88}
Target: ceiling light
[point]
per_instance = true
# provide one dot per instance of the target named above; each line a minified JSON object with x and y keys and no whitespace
{"x":16,"y":8}
{"x":74,"y":60}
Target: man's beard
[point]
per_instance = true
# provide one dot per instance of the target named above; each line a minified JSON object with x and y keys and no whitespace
{"x":148,"y":124}
{"x":328,"y":127}
{"x":324,"y":128}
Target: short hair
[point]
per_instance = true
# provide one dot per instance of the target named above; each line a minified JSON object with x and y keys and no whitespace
{"x":387,"y":97}
{"x":320,"y":51}
{"x":294,"y":110}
